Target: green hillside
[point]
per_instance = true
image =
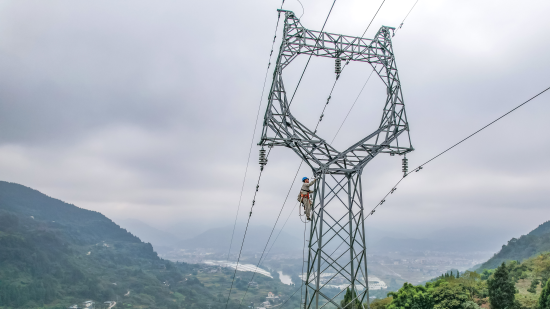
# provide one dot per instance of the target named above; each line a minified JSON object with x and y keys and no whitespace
{"x":53,"y":255}
{"x":537,"y":241}
{"x":513,"y":285}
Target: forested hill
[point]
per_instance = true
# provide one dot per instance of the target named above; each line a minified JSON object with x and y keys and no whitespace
{"x":54,"y":254}
{"x":81,"y":225}
{"x":537,"y":241}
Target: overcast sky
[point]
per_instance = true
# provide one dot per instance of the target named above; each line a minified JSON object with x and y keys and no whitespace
{"x":146,"y":109}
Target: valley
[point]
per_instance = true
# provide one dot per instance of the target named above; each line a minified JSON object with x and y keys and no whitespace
{"x":55,"y":255}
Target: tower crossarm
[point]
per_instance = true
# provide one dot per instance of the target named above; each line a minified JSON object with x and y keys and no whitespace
{"x":300,"y":40}
{"x":281,"y":128}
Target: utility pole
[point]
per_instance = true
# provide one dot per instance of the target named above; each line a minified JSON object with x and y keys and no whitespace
{"x":337,"y":255}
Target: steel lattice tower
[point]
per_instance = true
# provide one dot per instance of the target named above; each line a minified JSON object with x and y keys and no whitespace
{"x":337,"y":246}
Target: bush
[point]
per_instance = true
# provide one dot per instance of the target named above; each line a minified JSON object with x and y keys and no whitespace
{"x":470,"y":305}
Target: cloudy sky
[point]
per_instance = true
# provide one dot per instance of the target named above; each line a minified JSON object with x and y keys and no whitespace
{"x":146,"y":109}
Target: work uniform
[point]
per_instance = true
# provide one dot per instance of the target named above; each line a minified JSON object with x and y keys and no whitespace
{"x":305,"y":198}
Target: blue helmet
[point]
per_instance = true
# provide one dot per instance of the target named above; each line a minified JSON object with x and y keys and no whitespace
{"x":304,"y":179}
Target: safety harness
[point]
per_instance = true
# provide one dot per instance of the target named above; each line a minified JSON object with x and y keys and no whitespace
{"x":303,"y":195}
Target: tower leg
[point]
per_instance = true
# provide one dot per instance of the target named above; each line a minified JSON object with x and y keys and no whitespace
{"x":337,"y":258}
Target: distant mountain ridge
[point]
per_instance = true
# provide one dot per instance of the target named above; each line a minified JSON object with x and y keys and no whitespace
{"x":218,"y":239}
{"x":465,"y":238}
{"x":148,"y":233}
{"x":536,"y":242}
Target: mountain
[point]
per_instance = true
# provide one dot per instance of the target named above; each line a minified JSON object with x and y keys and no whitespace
{"x":463,"y":239}
{"x":54,"y":254}
{"x":537,"y":241}
{"x":189,"y":228}
{"x":541,"y":229}
{"x":217,"y":240}
{"x":159,"y":239}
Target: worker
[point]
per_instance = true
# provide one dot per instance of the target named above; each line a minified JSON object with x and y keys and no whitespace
{"x":304,"y":197}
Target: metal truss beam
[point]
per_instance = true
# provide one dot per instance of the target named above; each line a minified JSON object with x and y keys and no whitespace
{"x":337,"y":258}
{"x":281,"y":128}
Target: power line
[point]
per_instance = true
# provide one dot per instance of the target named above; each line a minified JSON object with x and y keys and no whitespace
{"x":254,"y":133}
{"x":322,"y":113}
{"x":320,"y":119}
{"x":303,"y":10}
{"x":360,"y":92}
{"x":270,"y":234}
{"x":365,"y":84}
{"x":245,"y":231}
{"x":309,"y":59}
{"x":357,"y":98}
{"x":373,"y":68}
{"x":373,"y":18}
{"x":418,"y":168}
{"x":284,"y":203}
{"x":288,"y":193}
{"x":401,"y":25}
{"x":292,"y":295}
{"x":316,"y":127}
{"x":257,"y":185}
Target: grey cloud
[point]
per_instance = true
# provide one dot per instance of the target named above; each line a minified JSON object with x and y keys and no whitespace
{"x":145,"y":109}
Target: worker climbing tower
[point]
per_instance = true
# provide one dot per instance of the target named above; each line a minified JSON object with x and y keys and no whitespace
{"x":337,"y":257}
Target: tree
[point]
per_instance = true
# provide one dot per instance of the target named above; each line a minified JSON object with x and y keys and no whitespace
{"x":501,"y":289}
{"x":379,"y":303}
{"x":470,"y":280}
{"x":411,"y":297}
{"x":449,"y":295}
{"x":348,"y":297}
{"x":533,"y":287}
{"x":544,"y":299}
{"x":487,"y":273}
{"x":470,"y":305}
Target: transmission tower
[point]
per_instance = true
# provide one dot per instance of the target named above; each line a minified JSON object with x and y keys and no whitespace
{"x":337,"y":257}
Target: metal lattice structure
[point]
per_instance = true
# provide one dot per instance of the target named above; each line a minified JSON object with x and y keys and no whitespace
{"x":337,"y":249}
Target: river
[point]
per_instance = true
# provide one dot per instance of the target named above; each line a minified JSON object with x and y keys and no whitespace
{"x":284,"y":278}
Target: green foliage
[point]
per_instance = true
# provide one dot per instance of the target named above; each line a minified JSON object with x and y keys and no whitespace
{"x":501,"y":289}
{"x":411,"y":297}
{"x":544,"y":298}
{"x":449,"y":295}
{"x":532,"y":244}
{"x":470,"y":305}
{"x":380,"y":303}
{"x":472,"y":283}
{"x":487,"y":273}
{"x":350,"y":301}
{"x":533,"y":287}
{"x":53,"y":254}
{"x":449,"y":291}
